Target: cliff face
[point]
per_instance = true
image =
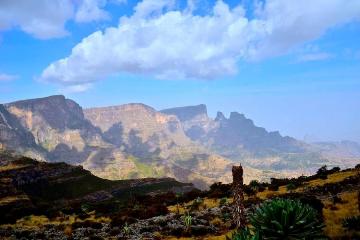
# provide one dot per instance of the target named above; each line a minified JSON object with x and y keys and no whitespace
{"x":138,"y":127}
{"x":158,"y":142}
{"x":239,"y":139}
{"x":136,"y":141}
{"x":13,"y":134}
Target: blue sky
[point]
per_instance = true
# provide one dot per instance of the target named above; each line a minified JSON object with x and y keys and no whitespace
{"x":299,"y":74}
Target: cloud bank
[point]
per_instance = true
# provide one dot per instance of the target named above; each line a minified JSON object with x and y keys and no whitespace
{"x":45,"y":19}
{"x":169,"y":43}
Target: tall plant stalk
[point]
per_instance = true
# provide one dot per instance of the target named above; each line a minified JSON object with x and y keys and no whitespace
{"x":239,"y":217}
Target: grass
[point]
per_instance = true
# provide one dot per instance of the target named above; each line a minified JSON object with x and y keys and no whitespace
{"x":333,"y":178}
{"x":11,"y":166}
{"x":36,"y":222}
{"x":207,"y":203}
{"x":11,"y":199}
{"x":145,"y":169}
{"x":334,"y":216}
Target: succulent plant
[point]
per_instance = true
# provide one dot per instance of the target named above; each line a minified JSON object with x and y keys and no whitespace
{"x":126,"y":229}
{"x":286,"y":219}
{"x":187,"y":221}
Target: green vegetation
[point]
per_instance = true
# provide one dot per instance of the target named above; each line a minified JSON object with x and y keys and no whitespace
{"x":244,"y":234}
{"x":187,"y":221}
{"x":126,"y":229}
{"x":223,"y":201}
{"x":290,"y":187}
{"x":286,"y":219}
{"x":144,"y":169}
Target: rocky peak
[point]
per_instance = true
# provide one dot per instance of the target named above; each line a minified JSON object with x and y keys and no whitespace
{"x":187,"y":113}
{"x":59,"y":112}
{"x":220,"y":117}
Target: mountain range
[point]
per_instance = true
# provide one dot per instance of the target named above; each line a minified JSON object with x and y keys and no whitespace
{"x":136,"y":141}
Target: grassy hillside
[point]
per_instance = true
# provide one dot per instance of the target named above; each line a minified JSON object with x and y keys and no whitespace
{"x":67,"y":203}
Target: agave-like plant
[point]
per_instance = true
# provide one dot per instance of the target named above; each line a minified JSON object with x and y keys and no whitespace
{"x":286,"y":219}
{"x":187,"y":221}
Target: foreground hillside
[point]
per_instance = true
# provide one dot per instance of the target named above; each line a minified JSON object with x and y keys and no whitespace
{"x":58,"y":201}
{"x":31,"y":187}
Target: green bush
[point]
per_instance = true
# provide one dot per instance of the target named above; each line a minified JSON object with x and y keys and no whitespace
{"x":254,"y":184}
{"x":223,"y":201}
{"x":290,"y":187}
{"x":286,"y":219}
{"x":244,"y":234}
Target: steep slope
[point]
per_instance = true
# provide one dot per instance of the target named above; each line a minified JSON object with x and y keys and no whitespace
{"x":158,"y":144}
{"x":28,"y":186}
{"x":58,"y":125}
{"x":14,"y":136}
{"x":238,"y":139}
{"x":136,"y":141}
{"x":141,"y":128}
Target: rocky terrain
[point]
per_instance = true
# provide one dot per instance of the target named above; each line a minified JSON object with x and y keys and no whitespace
{"x":31,"y":187}
{"x":41,"y":200}
{"x":137,"y":141}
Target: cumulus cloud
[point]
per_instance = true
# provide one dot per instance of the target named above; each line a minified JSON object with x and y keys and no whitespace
{"x":7,"y":77}
{"x":166,"y":42}
{"x":90,"y":10}
{"x":46,"y":19}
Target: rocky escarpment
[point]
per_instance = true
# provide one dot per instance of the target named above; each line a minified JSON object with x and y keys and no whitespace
{"x":137,"y":141}
{"x":239,"y":139}
{"x":13,"y":134}
{"x":159,"y":143}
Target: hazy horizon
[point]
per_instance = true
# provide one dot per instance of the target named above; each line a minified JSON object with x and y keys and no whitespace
{"x":296,"y":77}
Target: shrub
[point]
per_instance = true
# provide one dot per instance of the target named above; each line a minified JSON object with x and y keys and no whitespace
{"x":244,"y":234}
{"x":196,"y":204}
{"x":223,"y":201}
{"x":273,"y":187}
{"x":286,"y":219}
{"x":249,"y":190}
{"x":352,"y":223}
{"x":322,"y":172}
{"x":290,"y":187}
{"x":254,"y":184}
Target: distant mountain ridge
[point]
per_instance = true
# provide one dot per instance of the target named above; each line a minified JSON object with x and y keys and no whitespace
{"x":135,"y":140}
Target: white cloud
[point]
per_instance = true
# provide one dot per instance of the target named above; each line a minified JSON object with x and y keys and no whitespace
{"x":90,"y":10}
{"x":41,"y":18}
{"x":164,"y":42}
{"x":46,"y":19}
{"x":7,"y":77}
